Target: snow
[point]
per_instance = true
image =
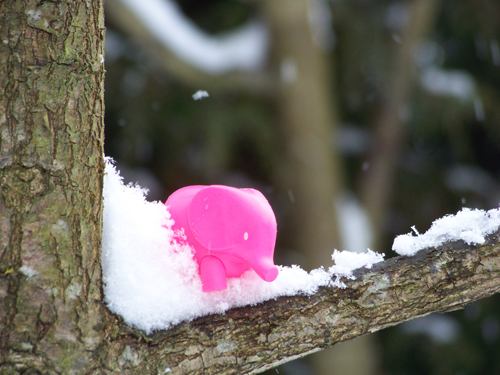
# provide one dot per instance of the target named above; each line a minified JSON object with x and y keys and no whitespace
{"x":321,"y":24}
{"x":200,"y":94}
{"x":468,"y":225}
{"x":347,"y":261}
{"x":470,"y":178}
{"x":457,"y":83}
{"x":352,"y":140}
{"x":288,"y":71}
{"x":495,"y":52}
{"x":153,"y":282}
{"x":479,"y":109}
{"x":28,"y":271}
{"x":354,"y":224}
{"x":243,"y":49}
{"x":397,"y":16}
{"x":441,"y":329}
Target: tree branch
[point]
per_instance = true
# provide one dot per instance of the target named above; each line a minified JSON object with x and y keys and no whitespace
{"x":389,"y":130}
{"x":253,"y":339}
{"x":259,"y":82}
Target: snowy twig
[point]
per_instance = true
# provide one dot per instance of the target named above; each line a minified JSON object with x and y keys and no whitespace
{"x":256,"y":338}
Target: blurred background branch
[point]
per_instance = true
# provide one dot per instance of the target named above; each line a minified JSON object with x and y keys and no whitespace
{"x":223,"y":71}
{"x":389,"y":135}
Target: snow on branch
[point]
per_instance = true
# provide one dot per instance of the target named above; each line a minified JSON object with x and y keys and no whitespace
{"x":200,"y":94}
{"x":153,"y":284}
{"x":243,"y":49}
{"x":470,"y":226}
{"x":152,"y":281}
{"x":252,"y":339}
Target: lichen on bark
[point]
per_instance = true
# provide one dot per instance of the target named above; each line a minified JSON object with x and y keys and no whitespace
{"x":51,"y":169}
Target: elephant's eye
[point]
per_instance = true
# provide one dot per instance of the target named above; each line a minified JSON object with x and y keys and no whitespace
{"x":245,"y":236}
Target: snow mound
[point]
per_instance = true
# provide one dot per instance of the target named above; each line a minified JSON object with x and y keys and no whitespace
{"x":153,"y":282}
{"x":468,"y":225}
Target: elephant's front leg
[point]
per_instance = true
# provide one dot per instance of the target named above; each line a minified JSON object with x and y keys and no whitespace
{"x":213,"y":274}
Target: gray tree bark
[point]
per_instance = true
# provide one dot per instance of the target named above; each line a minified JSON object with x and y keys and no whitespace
{"x":51,"y":172}
{"x":52,"y":319}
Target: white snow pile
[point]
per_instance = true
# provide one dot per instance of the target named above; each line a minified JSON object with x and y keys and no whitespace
{"x":153,"y":282}
{"x":468,"y":225}
{"x":348,"y":261}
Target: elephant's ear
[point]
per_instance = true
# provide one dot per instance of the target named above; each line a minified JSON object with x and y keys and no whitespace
{"x":219,"y":217}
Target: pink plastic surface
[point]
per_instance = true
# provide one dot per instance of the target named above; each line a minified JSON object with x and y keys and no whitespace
{"x":231,"y":230}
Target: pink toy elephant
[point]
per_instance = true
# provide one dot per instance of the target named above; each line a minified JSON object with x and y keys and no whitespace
{"x":231,"y":230}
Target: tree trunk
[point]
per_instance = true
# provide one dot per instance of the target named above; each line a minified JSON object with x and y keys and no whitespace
{"x":309,"y":122}
{"x":376,"y":184}
{"x":308,"y":118}
{"x":52,"y":319}
{"x":51,"y":172}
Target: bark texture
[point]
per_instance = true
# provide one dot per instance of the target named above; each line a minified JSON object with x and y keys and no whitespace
{"x":52,"y":320}
{"x":51,"y":169}
{"x":254,"y":339}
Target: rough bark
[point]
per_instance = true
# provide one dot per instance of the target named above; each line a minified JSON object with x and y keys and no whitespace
{"x":51,"y":169}
{"x":52,"y":319}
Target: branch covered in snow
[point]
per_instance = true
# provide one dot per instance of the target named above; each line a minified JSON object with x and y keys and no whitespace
{"x":147,"y":273}
{"x":252,"y":339}
{"x":183,"y":50}
{"x":243,"y":49}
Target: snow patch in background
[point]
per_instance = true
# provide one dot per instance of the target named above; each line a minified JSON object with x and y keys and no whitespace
{"x":441,"y":329}
{"x":457,"y":83}
{"x":468,"y":225}
{"x":243,"y":49}
{"x":153,"y":282}
{"x":354,"y":224}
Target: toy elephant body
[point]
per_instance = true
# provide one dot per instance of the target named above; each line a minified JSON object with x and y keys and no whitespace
{"x":231,"y":230}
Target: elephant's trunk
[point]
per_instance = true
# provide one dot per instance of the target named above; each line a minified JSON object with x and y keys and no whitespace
{"x":265,"y":268}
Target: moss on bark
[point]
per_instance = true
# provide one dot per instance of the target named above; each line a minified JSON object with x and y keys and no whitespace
{"x":51,"y":169}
